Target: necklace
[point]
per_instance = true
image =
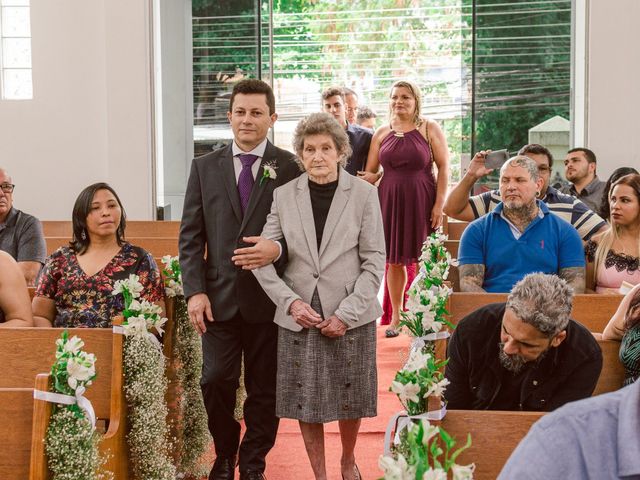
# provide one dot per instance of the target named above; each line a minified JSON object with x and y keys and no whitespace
{"x":398,"y":134}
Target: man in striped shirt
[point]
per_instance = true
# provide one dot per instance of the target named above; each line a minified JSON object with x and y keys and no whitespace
{"x":461,"y":206}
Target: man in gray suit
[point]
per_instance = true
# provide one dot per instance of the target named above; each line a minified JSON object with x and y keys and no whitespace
{"x":228,"y":197}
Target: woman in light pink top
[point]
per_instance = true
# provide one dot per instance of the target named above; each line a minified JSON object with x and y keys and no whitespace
{"x":613,"y":256}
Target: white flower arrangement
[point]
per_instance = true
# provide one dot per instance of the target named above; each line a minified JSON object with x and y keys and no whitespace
{"x":172,"y":276}
{"x":196,"y":438}
{"x":428,"y":294}
{"x":424,"y":451}
{"x":427,"y":454}
{"x":420,"y":377}
{"x":145,"y":384}
{"x":71,"y":441}
{"x":268,"y":173}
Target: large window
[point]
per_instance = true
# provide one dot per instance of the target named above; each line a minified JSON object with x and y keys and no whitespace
{"x":15,"y":50}
{"x":490,"y":70}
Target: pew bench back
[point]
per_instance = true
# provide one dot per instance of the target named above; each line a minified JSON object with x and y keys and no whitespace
{"x":593,"y":311}
{"x":135,"y":228}
{"x":494,"y":436}
{"x":29,"y":351}
{"x":16,"y":407}
{"x":156,"y":246}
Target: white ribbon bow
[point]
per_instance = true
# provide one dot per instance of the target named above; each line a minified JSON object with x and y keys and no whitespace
{"x":419,"y":342}
{"x":402,"y":420}
{"x":154,"y":340}
{"x":60,"y":398}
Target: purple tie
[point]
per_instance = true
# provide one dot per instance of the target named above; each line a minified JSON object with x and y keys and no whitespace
{"x":245,"y":179}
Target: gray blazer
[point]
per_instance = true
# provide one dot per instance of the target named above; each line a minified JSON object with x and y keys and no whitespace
{"x":349,"y":267}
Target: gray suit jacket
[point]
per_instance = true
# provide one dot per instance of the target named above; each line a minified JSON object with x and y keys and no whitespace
{"x":348,"y":268}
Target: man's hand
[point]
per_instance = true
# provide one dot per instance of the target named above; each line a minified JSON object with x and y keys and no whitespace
{"x":332,"y":327}
{"x":199,"y":307}
{"x":262,"y":253}
{"x":476,"y":167}
{"x":303,"y":314}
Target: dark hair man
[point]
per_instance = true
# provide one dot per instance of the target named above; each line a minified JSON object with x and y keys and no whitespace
{"x":461,"y":206}
{"x":526,"y":354}
{"x":518,"y":237}
{"x":580,"y":169}
{"x":351,"y":104}
{"x":228,"y":198}
{"x":366,"y":118}
{"x":333,"y":102}
{"x":20,"y":233}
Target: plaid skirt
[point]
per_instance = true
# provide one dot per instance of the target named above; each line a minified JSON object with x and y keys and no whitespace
{"x":323,"y":379}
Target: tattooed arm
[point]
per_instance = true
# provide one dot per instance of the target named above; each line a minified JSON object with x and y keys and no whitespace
{"x":471,"y":277}
{"x":574,"y":276}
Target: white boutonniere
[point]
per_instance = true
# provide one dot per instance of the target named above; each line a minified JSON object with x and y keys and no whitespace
{"x":268,"y":172}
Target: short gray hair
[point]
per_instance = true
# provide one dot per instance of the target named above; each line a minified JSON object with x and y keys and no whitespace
{"x":322,"y":124}
{"x":525,"y":162}
{"x":543,"y":301}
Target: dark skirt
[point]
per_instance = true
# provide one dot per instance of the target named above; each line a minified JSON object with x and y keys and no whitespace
{"x":323,"y":379}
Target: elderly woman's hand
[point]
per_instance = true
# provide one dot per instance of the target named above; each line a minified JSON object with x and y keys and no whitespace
{"x":303,"y":314}
{"x":332,"y":327}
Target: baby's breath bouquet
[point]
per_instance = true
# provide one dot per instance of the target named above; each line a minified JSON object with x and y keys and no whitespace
{"x":195,"y":431}
{"x":425,"y":318}
{"x":145,"y":384}
{"x":427,"y":454}
{"x":71,"y":441}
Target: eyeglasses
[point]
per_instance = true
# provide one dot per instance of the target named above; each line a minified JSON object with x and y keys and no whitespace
{"x":7,"y":187}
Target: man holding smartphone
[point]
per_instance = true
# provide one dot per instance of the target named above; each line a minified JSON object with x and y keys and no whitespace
{"x":461,"y":206}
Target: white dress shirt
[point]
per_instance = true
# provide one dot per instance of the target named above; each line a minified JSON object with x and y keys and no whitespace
{"x":237,"y":164}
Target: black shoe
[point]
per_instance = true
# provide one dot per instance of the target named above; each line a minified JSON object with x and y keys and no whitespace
{"x":252,"y":475}
{"x":223,"y":468}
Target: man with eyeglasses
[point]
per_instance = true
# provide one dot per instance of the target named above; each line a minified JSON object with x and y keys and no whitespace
{"x":20,"y":233}
{"x":461,"y":206}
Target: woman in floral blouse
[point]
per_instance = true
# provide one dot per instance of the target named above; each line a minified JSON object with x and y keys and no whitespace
{"x":75,"y":285}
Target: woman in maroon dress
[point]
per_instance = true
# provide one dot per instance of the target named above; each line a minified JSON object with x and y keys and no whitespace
{"x":411,"y":197}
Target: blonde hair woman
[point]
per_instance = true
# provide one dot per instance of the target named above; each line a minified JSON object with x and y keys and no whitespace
{"x":411,"y":197}
{"x":613,"y":256}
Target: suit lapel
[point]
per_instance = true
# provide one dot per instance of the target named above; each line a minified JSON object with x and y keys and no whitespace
{"x":229,"y":176}
{"x":303,"y":202}
{"x":257,"y":191}
{"x":340,"y":199}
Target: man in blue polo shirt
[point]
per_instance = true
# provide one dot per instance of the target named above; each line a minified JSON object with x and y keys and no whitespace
{"x":333,"y":103}
{"x":518,"y":237}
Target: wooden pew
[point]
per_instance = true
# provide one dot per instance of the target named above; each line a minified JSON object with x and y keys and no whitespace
{"x":593,"y":311}
{"x":28,"y":353}
{"x":494,"y":436}
{"x":455,"y":229}
{"x":612,"y":375}
{"x":157,"y":246}
{"x":452,"y":247}
{"x":135,"y":228}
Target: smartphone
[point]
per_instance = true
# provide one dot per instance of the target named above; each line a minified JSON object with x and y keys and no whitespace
{"x":496,"y":158}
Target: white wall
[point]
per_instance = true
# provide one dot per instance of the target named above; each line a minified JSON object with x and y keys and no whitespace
{"x":613,"y":95}
{"x":90,"y":118}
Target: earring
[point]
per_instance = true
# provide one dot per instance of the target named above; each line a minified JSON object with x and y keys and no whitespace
{"x":83,"y":235}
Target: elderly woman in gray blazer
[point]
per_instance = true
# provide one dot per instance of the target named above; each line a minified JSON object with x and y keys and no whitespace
{"x":326,"y":301}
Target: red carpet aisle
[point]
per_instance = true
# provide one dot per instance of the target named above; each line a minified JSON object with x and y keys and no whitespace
{"x":288,"y":459}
